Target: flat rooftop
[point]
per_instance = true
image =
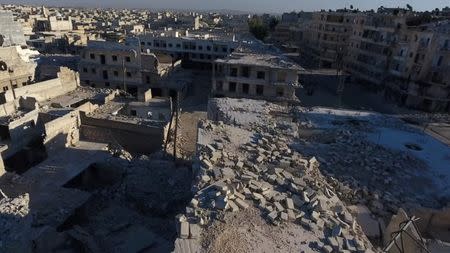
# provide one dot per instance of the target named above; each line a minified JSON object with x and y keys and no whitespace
{"x":262,"y":60}
{"x":81,"y":94}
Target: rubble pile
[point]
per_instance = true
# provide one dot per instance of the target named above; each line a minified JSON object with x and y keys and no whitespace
{"x":362,"y":172}
{"x":15,"y":224}
{"x":267,"y":174}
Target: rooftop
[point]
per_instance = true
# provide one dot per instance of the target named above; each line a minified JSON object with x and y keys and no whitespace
{"x":263,"y":60}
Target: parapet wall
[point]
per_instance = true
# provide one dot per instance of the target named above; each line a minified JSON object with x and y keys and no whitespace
{"x":134,"y":138}
{"x":62,"y":131}
{"x":67,"y":80}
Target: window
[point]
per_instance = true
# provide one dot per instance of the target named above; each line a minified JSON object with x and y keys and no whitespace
{"x":281,"y":76}
{"x":280,"y":91}
{"x":5,"y":88}
{"x":259,"y":90}
{"x":233,"y":72}
{"x":102,"y":59}
{"x":128,"y":59}
{"x":194,"y":56}
{"x":219,"y":86}
{"x":107,"y":84}
{"x":232,"y":87}
{"x":200,"y":47}
{"x":94,"y":71}
{"x":128,"y":74}
{"x":178,"y":45}
{"x":133,"y":112}
{"x":105,"y":74}
{"x":92,"y":56}
{"x":85,"y":70}
{"x":114,"y":57}
{"x":147,"y":79}
{"x":224,"y":49}
{"x":208,"y":48}
{"x":439,"y":62}
{"x":116,"y":73}
{"x":142,"y":43}
{"x":202,"y":56}
{"x":261,"y":75}
{"x":245,"y":88}
{"x":14,"y":86}
{"x":245,"y":72}
{"x":170,"y":45}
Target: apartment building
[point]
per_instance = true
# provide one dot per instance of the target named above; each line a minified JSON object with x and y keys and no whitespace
{"x":11,"y":31}
{"x":326,"y":38}
{"x":111,"y":65}
{"x":419,"y":75}
{"x":371,"y":47}
{"x":257,"y":76}
{"x":197,"y":50}
{"x":393,"y":50}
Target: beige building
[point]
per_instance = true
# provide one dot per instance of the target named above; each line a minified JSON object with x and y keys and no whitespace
{"x":122,"y":66}
{"x":419,"y":74}
{"x":257,"y":76}
{"x":16,"y":69}
{"x":326,"y":38}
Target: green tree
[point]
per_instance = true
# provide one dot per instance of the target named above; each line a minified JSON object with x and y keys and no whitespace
{"x":273,"y":22}
{"x":257,"y":27}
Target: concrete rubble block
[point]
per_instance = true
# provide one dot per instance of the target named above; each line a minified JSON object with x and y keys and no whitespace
{"x":239,"y":195}
{"x":194,"y":231}
{"x":184,"y":230}
{"x":305,"y":197}
{"x":278,"y":206}
{"x":194,"y":203}
{"x":233,"y":206}
{"x":298,"y":202}
{"x":260,"y":159}
{"x":291,"y":214}
{"x":272,"y":216}
{"x":207,"y":164}
{"x":333,"y":242}
{"x":241,"y":203}
{"x":327,"y":249}
{"x":315,"y":216}
{"x":284,"y":216}
{"x":289,"y":203}
{"x":239,"y":165}
{"x":205,"y":178}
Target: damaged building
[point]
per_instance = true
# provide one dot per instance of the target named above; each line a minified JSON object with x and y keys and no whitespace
{"x":252,"y":74}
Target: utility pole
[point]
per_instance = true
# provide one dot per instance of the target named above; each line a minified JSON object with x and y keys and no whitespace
{"x":177,"y":108}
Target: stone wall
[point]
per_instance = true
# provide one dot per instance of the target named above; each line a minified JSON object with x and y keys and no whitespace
{"x":62,"y":132}
{"x":134,"y":138}
{"x":67,"y":80}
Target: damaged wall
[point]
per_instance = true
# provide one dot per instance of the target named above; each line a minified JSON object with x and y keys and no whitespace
{"x":134,"y":138}
{"x":67,"y":80}
{"x":62,"y":132}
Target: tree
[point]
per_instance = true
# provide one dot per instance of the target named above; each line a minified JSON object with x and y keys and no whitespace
{"x":409,"y":7}
{"x":257,"y":27}
{"x":273,"y":22}
{"x":351,"y":7}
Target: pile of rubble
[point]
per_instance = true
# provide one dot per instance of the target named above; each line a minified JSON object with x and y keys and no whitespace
{"x":15,"y":224}
{"x":267,"y":174}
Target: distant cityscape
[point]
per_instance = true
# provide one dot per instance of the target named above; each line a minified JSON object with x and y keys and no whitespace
{"x":136,"y":130}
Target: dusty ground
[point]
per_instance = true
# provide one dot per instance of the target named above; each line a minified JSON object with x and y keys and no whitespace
{"x":247,"y":231}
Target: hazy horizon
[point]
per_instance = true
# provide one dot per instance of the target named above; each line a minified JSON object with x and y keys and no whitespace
{"x":260,"y":6}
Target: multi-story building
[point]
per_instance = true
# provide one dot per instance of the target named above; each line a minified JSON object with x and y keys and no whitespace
{"x":370,"y":49}
{"x":255,"y":75}
{"x":16,"y":68}
{"x":201,"y":50}
{"x":121,"y":66}
{"x":326,"y":38}
{"x":419,"y":75}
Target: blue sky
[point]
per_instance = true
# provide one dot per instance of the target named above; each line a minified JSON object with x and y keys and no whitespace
{"x":272,"y":6}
